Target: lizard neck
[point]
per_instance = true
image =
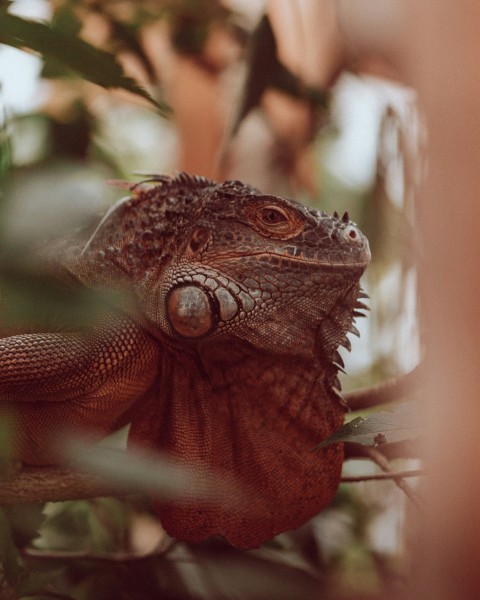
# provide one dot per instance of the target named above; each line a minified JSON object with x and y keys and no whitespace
{"x":254,"y":418}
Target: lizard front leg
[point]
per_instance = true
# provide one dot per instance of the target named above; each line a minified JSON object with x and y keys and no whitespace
{"x":52,"y":382}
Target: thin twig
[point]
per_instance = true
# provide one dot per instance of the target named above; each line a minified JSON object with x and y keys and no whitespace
{"x":386,"y":391}
{"x":379,"y":459}
{"x":379,"y":476}
{"x":114,"y":557}
{"x":402,"y":449}
{"x":56,"y":595}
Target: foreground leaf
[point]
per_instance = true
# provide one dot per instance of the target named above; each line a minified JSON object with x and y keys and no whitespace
{"x":144,"y":472}
{"x":383,"y":427}
{"x":90,"y":63}
{"x":10,"y":567}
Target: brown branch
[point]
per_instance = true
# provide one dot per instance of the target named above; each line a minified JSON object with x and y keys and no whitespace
{"x":403,"y":449}
{"x":113,"y":557}
{"x":56,"y":595}
{"x":380,"y":476}
{"x":385,"y":391}
{"x":37,"y":485}
{"x":379,"y":459}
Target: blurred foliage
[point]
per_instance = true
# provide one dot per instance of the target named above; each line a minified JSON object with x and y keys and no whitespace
{"x":400,"y":423}
{"x":17,"y":580}
{"x":87,"y":550}
{"x":58,"y":43}
{"x":4,"y":145}
{"x":266,"y":71}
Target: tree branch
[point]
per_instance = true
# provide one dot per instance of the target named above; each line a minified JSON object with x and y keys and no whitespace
{"x":37,"y":485}
{"x":380,"y":476}
{"x":403,"y":449}
{"x":386,"y":391}
{"x":57,"y":484}
{"x":379,"y":459}
{"x":72,"y":555}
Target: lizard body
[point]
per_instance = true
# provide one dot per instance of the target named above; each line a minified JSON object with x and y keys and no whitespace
{"x":221,"y":349}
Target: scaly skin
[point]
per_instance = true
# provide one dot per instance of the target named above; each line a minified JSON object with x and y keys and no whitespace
{"x":221,"y":349}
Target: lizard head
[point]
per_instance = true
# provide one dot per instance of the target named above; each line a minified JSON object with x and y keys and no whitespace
{"x":265,"y":270}
{"x":218,"y":262}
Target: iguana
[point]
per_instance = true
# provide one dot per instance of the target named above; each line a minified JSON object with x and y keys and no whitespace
{"x":220,"y":348}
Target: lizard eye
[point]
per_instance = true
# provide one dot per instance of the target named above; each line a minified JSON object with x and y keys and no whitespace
{"x":277,"y":222}
{"x":272,"y":215}
{"x":272,"y":219}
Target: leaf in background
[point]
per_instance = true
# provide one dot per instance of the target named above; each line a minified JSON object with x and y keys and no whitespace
{"x":10,"y":567}
{"x":126,"y":38}
{"x":5,"y":154}
{"x":98,"y":525}
{"x":384,"y":427}
{"x":262,"y":64}
{"x":36,"y":581}
{"x":108,"y":523}
{"x":265,"y":70}
{"x":7,"y":465}
{"x":65,"y":21}
{"x":93,"y":64}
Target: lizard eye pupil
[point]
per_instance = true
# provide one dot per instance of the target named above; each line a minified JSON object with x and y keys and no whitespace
{"x":272,"y":216}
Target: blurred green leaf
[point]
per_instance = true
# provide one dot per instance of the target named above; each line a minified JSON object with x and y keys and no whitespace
{"x":7,"y":465}
{"x":262,"y":64}
{"x":35,"y":581}
{"x":126,"y":37}
{"x":265,"y":70}
{"x":65,"y":527}
{"x":65,"y":20}
{"x":95,"y":526}
{"x":31,"y":300}
{"x":142,"y":472}
{"x":108,"y":522}
{"x":384,"y":427}
{"x":5,"y":154}
{"x":9,"y":555}
{"x":85,"y":60}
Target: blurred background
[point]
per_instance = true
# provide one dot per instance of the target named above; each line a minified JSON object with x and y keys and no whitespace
{"x":281,"y":95}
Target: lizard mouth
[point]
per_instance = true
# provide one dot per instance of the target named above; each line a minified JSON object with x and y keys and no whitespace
{"x":360,"y":260}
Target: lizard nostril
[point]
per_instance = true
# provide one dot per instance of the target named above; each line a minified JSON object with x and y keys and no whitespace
{"x":351,"y":234}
